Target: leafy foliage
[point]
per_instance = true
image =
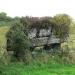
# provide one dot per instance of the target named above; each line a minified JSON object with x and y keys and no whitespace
{"x":4,"y":19}
{"x":17,"y":40}
{"x":61,"y":25}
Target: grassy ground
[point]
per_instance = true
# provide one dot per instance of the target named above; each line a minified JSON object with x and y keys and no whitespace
{"x":44,"y":69}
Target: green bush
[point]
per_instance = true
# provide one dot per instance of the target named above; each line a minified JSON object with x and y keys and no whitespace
{"x":18,"y":41}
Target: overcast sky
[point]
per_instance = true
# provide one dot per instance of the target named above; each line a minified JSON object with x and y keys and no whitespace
{"x":37,"y":7}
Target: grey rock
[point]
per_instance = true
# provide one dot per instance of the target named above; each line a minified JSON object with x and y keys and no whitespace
{"x":45,"y":32}
{"x":32,"y":33}
{"x":45,"y":37}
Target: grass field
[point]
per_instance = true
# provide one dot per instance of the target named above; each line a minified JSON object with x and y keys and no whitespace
{"x":38,"y":69}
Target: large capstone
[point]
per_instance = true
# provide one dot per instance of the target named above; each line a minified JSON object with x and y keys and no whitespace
{"x":45,"y":37}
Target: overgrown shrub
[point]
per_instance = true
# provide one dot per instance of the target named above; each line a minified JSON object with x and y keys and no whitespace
{"x":61,"y":25}
{"x":18,"y":41}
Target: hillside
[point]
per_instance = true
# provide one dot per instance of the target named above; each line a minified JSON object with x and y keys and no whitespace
{"x":3,"y":31}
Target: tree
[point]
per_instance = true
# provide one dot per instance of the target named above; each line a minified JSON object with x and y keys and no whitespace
{"x":4,"y":17}
{"x":18,"y":41}
{"x":61,"y":25}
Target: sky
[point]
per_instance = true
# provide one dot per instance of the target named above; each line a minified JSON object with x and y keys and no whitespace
{"x":37,"y":8}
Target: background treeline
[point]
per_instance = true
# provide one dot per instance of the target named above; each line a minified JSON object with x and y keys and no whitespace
{"x":4,"y":19}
